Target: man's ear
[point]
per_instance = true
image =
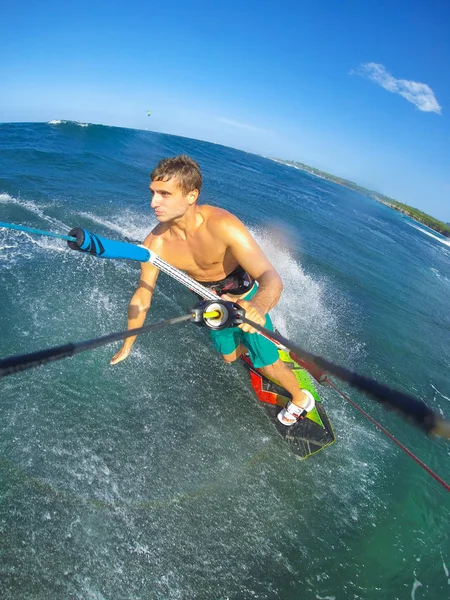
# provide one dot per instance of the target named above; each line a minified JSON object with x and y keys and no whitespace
{"x":192,"y":196}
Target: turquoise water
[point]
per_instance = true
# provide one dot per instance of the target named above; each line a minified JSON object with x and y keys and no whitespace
{"x":161,"y":477}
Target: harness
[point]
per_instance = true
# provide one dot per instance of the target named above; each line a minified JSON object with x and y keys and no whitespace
{"x":238,"y":282}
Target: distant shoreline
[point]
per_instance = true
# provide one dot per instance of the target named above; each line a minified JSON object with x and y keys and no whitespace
{"x":410,"y":211}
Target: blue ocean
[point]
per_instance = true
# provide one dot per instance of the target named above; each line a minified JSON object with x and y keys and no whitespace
{"x":162,"y":477}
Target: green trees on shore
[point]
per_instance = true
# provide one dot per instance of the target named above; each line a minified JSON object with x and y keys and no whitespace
{"x":416,"y":214}
{"x":410,"y":211}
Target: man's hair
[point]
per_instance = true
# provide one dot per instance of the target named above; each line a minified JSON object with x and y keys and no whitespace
{"x":183,"y":168}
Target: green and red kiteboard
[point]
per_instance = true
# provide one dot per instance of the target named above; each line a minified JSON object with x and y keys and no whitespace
{"x":311,"y":433}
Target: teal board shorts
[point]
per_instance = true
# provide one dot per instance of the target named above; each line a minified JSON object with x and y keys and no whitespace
{"x":261,"y":351}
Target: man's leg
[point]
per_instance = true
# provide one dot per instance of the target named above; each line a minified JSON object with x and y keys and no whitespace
{"x":264,"y":356}
{"x":229,"y":358}
{"x":286,"y":378}
{"x":228,"y":343}
{"x":266,"y":360}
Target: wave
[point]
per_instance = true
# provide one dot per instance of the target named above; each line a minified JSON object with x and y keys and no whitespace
{"x":35,"y":209}
{"x":127,"y":224}
{"x":439,"y":275}
{"x":435,"y":236}
{"x":439,"y":393}
{"x":66,"y":122}
{"x":309,"y":310}
{"x":20,"y":245}
{"x":5,"y":198}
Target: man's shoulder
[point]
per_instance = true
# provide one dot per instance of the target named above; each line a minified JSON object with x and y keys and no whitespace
{"x":218,"y":218}
{"x":155,"y":238}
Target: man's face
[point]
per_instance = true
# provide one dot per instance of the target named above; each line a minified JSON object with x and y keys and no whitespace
{"x":168,"y":200}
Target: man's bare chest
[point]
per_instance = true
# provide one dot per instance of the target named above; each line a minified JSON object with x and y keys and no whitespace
{"x":200,"y":256}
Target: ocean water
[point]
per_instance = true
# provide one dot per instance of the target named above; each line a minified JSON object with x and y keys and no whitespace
{"x":161,"y":477}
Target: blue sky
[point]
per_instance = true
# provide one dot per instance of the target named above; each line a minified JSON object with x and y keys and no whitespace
{"x":359,"y":89}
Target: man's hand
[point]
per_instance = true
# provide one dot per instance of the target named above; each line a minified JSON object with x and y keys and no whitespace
{"x":121,"y":355}
{"x":252,"y":312}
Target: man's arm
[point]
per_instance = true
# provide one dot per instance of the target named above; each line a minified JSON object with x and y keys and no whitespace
{"x":251,"y":258}
{"x":138,"y":308}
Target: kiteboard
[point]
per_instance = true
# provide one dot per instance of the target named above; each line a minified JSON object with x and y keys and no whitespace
{"x":311,"y":433}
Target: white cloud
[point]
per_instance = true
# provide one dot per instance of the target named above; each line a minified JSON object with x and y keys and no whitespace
{"x":242,"y":125}
{"x":419,"y":94}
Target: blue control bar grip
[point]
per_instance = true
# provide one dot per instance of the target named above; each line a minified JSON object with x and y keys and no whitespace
{"x":104,"y":248}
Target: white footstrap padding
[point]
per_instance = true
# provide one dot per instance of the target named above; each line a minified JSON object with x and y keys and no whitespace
{"x":291,"y":412}
{"x":311,"y":402}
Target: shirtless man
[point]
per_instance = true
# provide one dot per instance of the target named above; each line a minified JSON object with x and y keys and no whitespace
{"x":215,"y":248}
